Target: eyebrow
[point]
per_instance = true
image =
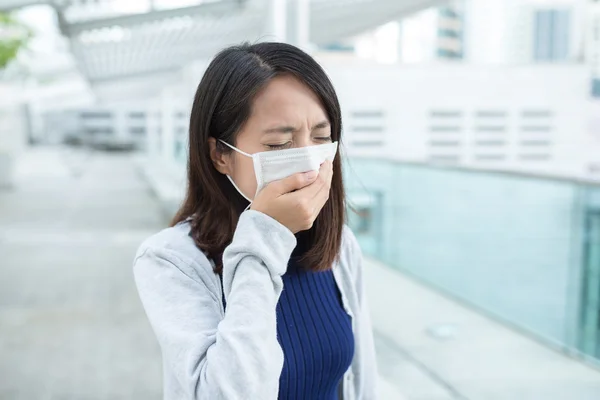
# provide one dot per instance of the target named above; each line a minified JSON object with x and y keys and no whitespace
{"x":291,"y":129}
{"x":320,"y":125}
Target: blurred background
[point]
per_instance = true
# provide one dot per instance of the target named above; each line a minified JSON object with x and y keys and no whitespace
{"x":472,"y":136}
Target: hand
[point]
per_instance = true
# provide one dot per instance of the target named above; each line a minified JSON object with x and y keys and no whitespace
{"x":296,"y":201}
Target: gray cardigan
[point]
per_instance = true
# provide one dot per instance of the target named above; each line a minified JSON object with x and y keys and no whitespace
{"x":209,"y":353}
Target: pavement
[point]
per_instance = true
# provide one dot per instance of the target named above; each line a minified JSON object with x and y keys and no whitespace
{"x":431,"y":347}
{"x":72,"y":326}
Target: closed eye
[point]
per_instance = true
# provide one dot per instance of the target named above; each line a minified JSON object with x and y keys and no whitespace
{"x":278,"y":146}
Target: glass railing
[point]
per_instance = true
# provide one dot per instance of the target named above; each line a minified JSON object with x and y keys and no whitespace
{"x":523,"y":249}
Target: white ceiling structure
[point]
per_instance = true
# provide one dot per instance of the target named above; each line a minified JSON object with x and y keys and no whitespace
{"x":111,"y":45}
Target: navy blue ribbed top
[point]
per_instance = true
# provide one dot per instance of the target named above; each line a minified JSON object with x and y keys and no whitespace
{"x":315,"y":334}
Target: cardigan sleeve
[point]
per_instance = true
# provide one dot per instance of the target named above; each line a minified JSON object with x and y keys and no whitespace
{"x":212,"y":355}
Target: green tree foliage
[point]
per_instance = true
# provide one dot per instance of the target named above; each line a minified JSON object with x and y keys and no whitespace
{"x":13,"y":36}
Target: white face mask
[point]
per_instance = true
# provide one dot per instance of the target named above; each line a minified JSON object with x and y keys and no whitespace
{"x":271,"y":166}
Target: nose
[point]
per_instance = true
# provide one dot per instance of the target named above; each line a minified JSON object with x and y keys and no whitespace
{"x":303,"y":139}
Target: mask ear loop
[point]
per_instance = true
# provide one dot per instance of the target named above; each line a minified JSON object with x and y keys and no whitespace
{"x":231,"y":179}
{"x":235,"y":148}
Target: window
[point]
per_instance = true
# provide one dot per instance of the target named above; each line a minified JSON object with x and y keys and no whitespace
{"x":367,"y":143}
{"x":445,"y":128}
{"x":490,"y":128}
{"x":180,"y":115}
{"x":596,"y":88}
{"x":444,"y":158}
{"x":137,"y":115}
{"x":444,"y":143}
{"x":490,"y":114}
{"x":552,"y":35}
{"x":367,"y":114}
{"x":536,"y":114}
{"x":490,"y":143}
{"x":448,"y":33}
{"x":367,"y":128}
{"x":490,"y":157}
{"x":445,"y":114}
{"x":95,"y":114}
{"x":535,"y":128}
{"x":535,"y":157}
{"x":536,"y":143}
{"x":100,"y":130}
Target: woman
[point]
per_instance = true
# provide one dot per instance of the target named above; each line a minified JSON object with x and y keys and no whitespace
{"x":256,"y":291}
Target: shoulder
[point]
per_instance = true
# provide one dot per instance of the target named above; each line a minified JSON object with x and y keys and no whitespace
{"x":349,"y":241}
{"x":174,"y":247}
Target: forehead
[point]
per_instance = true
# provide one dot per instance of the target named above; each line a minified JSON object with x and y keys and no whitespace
{"x":287,"y":97}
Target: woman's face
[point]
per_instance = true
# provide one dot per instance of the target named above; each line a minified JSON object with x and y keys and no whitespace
{"x":285,"y":114}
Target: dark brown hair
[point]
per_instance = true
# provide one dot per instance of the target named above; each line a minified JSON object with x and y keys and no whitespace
{"x":222,"y":105}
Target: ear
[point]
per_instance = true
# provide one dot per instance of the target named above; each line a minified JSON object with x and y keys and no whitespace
{"x":221,"y":161}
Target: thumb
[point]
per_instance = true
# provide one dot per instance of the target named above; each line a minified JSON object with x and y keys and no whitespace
{"x":293,"y":182}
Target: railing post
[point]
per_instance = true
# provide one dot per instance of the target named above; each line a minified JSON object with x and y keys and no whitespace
{"x":277,"y":21}
{"x":299,"y":21}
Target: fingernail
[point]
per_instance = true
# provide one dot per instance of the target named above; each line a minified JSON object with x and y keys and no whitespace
{"x":311,"y":175}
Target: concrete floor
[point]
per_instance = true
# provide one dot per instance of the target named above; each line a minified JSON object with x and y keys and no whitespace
{"x":72,"y":326}
{"x":433,"y":348}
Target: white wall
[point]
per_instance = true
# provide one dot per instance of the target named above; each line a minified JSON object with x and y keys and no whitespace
{"x":593,"y":38}
{"x":393,"y":111}
{"x":418,"y":37}
{"x":488,"y":30}
{"x":403,"y":107}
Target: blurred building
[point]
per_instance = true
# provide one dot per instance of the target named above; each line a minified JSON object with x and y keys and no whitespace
{"x":470,"y":116}
{"x":593,"y":45}
{"x":552,"y":32}
{"x":450,"y":30}
{"x":435,"y":34}
{"x":525,"y":31}
{"x":471,"y":138}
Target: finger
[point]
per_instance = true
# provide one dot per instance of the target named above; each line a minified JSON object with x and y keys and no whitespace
{"x":325,"y":176}
{"x":322,"y":196}
{"x":311,"y":190}
{"x":292,"y":182}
